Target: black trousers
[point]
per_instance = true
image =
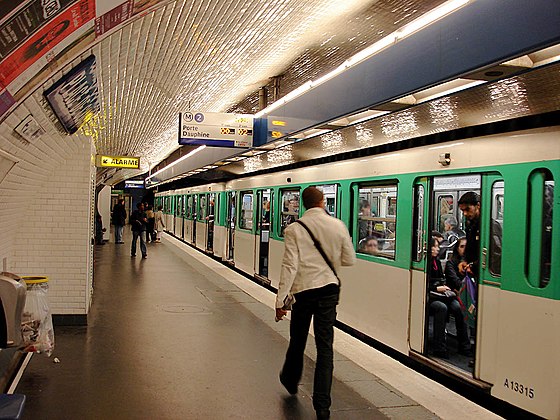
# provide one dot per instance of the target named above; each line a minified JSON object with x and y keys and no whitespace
{"x":319,"y":304}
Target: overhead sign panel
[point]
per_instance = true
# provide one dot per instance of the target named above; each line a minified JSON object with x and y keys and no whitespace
{"x":216,"y":129}
{"x":118,"y":162}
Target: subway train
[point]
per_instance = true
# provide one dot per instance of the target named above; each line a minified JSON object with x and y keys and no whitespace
{"x":399,"y":198}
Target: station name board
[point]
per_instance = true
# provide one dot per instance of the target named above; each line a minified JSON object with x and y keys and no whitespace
{"x":216,"y":129}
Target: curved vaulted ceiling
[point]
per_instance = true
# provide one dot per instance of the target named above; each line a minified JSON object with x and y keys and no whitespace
{"x":180,"y":55}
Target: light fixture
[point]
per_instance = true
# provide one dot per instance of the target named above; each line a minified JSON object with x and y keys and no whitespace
{"x":182,"y":158}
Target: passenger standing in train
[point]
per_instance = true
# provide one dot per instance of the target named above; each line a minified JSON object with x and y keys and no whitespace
{"x":452,"y":230}
{"x":364,"y":223}
{"x":453,"y":274}
{"x":150,"y":235}
{"x":119,"y":220}
{"x":159,"y":225}
{"x":308,"y":276}
{"x":469,"y":203}
{"x":138,"y":224}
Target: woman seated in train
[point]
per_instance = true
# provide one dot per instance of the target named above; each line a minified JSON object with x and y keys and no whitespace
{"x":369,"y":245}
{"x":443,"y":303}
{"x":453,"y":274}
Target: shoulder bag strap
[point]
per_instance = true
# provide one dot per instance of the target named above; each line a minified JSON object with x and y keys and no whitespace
{"x":320,"y":249}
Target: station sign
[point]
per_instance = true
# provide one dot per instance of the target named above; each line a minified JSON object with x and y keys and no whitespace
{"x":128,"y":162}
{"x":133,"y":184}
{"x":216,"y":129}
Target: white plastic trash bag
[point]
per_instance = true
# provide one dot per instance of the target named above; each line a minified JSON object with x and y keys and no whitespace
{"x":36,"y":322}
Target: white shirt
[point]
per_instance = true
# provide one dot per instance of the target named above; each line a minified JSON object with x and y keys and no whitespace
{"x":303,"y":267}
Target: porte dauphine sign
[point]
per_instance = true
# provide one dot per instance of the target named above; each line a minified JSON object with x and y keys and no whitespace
{"x":216,"y":129}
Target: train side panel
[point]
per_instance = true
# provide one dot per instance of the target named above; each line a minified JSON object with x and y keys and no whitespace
{"x":374,"y":300}
{"x":244,"y":251}
{"x":276,"y":253}
{"x":528,"y":367}
{"x":220,"y":235}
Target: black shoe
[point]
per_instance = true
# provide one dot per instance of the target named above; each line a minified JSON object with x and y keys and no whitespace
{"x":471,"y":363}
{"x":133,"y":255}
{"x":291,"y":389}
{"x":144,"y":256}
{"x":323,"y":414}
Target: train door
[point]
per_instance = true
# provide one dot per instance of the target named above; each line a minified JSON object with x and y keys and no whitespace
{"x":178,"y":216}
{"x":194,"y":217}
{"x":210,"y":216}
{"x":450,"y":314}
{"x":230,"y":224}
{"x":264,"y":198}
{"x":418,"y":292}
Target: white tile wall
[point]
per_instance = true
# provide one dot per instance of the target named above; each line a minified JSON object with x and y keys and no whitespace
{"x":46,"y":215}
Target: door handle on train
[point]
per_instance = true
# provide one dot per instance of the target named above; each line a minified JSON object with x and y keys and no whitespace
{"x":484,"y":255}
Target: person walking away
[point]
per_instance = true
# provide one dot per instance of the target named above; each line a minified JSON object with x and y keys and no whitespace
{"x":159,"y":225}
{"x":308,"y":276}
{"x":119,"y":220}
{"x":138,"y":223}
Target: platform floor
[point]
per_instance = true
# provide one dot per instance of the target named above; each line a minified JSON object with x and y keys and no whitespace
{"x":180,"y":336}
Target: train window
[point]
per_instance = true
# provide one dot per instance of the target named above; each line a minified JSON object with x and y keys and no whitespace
{"x":377,"y":218}
{"x":496,"y":223}
{"x":189,"y":206}
{"x":539,"y":240}
{"x":202,"y":210}
{"x":418,"y":229}
{"x":246,"y":216}
{"x":290,"y":209}
{"x":446,"y":207}
{"x":329,"y":192}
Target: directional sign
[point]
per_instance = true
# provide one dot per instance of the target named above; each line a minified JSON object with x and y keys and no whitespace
{"x":118,"y":162}
{"x":216,"y":129}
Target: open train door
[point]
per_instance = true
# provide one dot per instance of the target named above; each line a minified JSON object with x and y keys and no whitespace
{"x":230,"y":225}
{"x":418,"y":291}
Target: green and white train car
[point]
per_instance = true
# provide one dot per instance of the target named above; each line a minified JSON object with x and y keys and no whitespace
{"x":516,"y":319}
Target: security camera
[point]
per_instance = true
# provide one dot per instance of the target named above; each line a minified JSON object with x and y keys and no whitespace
{"x":288,"y":179}
{"x":445,"y":159}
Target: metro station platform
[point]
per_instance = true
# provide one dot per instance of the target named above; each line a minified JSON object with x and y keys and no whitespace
{"x":181,"y":336}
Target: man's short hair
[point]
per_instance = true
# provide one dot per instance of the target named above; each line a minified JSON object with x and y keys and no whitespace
{"x":470,"y":199}
{"x":436,"y":234}
{"x":139,"y":204}
{"x":312,"y":197}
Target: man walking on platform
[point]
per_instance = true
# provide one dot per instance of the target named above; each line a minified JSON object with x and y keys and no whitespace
{"x":315,"y":248}
{"x":138,"y":223}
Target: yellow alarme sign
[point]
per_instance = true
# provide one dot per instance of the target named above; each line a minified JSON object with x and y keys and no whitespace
{"x":118,"y":162}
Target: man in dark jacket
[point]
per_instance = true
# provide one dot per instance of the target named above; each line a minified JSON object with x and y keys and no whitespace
{"x":138,"y":224}
{"x":119,"y":220}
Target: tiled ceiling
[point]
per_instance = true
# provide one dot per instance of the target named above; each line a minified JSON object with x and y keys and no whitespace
{"x":214,"y":56}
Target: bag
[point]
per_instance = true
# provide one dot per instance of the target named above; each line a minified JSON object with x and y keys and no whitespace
{"x":444,"y":297}
{"x":467,"y":300}
{"x":289,"y":301}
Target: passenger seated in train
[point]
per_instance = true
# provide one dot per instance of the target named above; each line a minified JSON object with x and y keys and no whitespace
{"x":453,"y":274}
{"x":369,"y":245}
{"x":365,"y":225}
{"x":443,"y":303}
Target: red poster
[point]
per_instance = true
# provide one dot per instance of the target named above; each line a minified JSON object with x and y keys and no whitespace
{"x":113,"y":18}
{"x":45,"y":39}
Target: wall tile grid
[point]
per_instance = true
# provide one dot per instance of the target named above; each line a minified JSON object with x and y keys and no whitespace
{"x":45,"y":209}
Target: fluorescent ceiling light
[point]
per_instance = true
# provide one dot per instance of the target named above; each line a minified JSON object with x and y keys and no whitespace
{"x":182,"y":158}
{"x":407,"y":30}
{"x":445,"y":89}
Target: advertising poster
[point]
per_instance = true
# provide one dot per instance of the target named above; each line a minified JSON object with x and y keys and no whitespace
{"x":26,"y":21}
{"x":75,"y":97}
{"x":8,"y":6}
{"x":48,"y":37}
{"x":113,"y":18}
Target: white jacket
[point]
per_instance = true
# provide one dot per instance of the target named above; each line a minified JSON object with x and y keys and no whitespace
{"x":303,"y":267}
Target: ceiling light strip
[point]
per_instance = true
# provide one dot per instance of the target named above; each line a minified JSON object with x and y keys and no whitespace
{"x":391,"y":39}
{"x":182,"y":158}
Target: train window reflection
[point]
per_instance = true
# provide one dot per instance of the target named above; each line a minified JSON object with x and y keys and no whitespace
{"x":417,"y":250}
{"x":329,"y":192}
{"x":496,"y":223}
{"x":246,"y":216}
{"x":377,"y":218}
{"x":202,"y":210}
{"x":289,"y":209}
{"x":539,"y":240}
